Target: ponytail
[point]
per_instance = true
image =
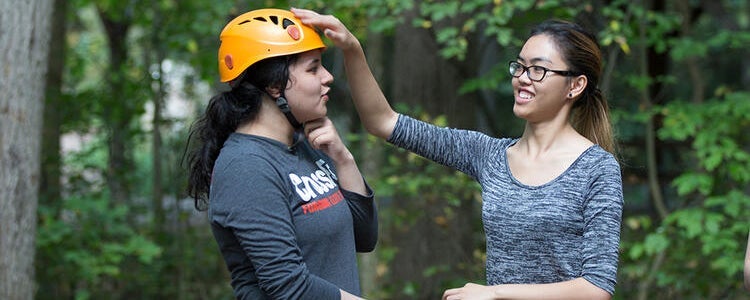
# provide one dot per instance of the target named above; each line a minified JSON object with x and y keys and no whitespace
{"x":590,"y":117}
{"x":580,"y":50}
{"x":225,"y":112}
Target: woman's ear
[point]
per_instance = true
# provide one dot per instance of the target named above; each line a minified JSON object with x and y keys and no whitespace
{"x":577,"y":86}
{"x":275,"y":92}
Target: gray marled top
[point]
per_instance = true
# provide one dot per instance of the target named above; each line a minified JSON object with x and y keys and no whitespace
{"x":558,"y":231}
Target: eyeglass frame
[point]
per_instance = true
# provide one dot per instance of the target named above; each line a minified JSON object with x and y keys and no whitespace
{"x":566,"y":73}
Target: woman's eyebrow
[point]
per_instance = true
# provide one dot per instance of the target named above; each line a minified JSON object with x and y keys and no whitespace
{"x":314,"y":61}
{"x":540,"y":59}
{"x":535,"y":59}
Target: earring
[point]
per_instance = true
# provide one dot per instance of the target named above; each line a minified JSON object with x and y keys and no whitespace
{"x":570,"y":95}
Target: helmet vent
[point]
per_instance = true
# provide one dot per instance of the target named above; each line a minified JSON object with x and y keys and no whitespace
{"x":286,"y":23}
{"x":262,"y":19}
{"x":275,"y":19}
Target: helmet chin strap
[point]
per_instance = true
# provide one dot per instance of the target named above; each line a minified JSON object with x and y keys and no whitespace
{"x":283,"y":104}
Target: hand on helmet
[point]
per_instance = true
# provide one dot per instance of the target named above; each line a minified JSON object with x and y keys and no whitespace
{"x":331,"y":27}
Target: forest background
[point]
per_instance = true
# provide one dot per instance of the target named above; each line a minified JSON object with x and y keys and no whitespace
{"x":93,"y":202}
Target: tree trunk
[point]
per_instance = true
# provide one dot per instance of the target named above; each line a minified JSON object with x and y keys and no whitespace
{"x":158,"y":92}
{"x":421,"y":77}
{"x":651,"y":65}
{"x":119,"y":110}
{"x":24,"y":40}
{"x":370,"y":160}
{"x":692,"y":63}
{"x":50,"y":189}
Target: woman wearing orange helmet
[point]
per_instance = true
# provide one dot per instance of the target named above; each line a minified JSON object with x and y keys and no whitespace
{"x":287,"y":203}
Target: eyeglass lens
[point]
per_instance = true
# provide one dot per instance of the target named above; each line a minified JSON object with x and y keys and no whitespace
{"x":534,"y":72}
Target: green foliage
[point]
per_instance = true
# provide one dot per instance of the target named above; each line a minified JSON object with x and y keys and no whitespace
{"x":487,"y":81}
{"x":409,"y":175}
{"x":458,"y":25}
{"x":717,"y":131}
{"x":90,"y":242}
{"x":405,"y":184}
{"x":94,"y":248}
{"x":473,"y":15}
{"x":360,"y":16}
{"x":709,"y":234}
{"x":90,"y":238}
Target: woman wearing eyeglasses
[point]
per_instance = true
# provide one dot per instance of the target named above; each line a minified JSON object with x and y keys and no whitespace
{"x":552,"y":198}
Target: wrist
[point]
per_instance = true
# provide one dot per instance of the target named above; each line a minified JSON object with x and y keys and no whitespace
{"x":343,"y":158}
{"x":499,"y":292}
{"x":353,"y":47}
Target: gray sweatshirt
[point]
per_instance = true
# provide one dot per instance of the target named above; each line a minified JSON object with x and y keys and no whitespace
{"x":284,"y":227}
{"x":558,"y":231}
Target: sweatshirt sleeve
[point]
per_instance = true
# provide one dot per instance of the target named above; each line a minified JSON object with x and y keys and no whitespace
{"x":365,"y":217}
{"x":251,"y":201}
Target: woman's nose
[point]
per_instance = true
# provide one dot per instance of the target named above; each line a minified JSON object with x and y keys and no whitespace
{"x":327,"y":77}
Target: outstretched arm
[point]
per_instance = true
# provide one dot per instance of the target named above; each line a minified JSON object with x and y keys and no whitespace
{"x":376,"y":114}
{"x":577,"y":288}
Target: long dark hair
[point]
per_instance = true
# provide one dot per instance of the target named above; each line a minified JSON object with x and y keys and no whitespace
{"x":224,"y":113}
{"x":581,"y":51}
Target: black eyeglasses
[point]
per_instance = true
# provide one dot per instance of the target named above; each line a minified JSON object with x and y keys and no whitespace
{"x":535,"y":73}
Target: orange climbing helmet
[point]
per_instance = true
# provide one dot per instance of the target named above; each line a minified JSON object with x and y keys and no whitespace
{"x":260,"y":34}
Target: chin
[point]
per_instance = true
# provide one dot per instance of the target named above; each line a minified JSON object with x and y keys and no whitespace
{"x":316,"y":116}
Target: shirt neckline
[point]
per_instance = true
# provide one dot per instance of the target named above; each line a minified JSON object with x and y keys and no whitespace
{"x":553,"y":180}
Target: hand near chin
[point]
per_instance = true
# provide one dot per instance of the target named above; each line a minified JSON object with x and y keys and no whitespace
{"x":322,"y":135}
{"x":470,"y":291}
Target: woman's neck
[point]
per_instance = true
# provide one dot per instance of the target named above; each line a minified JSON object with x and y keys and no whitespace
{"x":271,"y":123}
{"x":546,"y":137}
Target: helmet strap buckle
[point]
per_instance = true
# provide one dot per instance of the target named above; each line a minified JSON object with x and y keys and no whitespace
{"x":283,"y":104}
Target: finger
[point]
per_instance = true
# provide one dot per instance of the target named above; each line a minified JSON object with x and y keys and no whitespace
{"x":303,"y":12}
{"x":448,"y":293}
{"x":334,"y":35}
{"x":312,"y":18}
{"x":312,"y":125}
{"x":312,"y":135}
{"x":318,"y":138}
{"x":308,"y":16}
{"x":315,"y":140}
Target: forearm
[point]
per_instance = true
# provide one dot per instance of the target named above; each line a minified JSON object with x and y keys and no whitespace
{"x":578,"y":288}
{"x":376,"y":114}
{"x":349,"y":176}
